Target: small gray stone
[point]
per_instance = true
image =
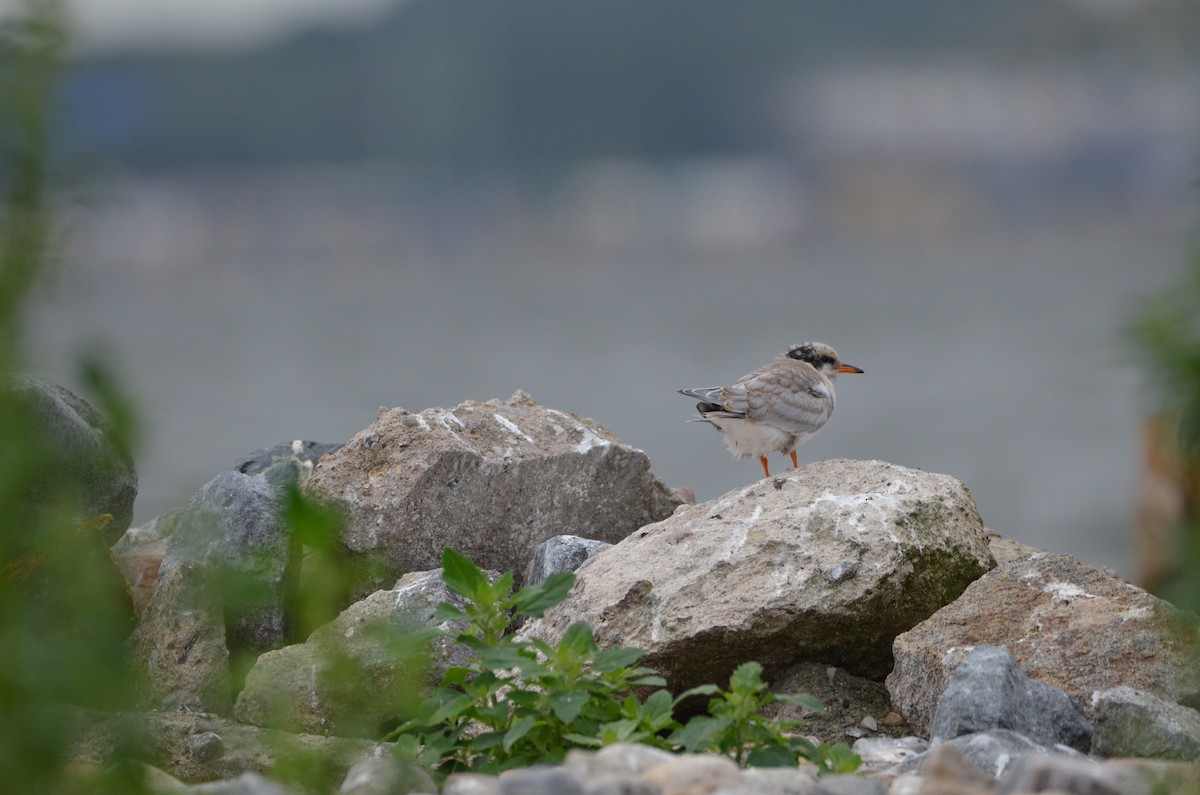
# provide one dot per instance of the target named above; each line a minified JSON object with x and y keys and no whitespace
{"x":1132,"y":723}
{"x":539,"y":780}
{"x":992,"y":752}
{"x":618,"y":759}
{"x":471,"y":784}
{"x":560,"y":554}
{"x":245,"y":784}
{"x":990,"y":691}
{"x":1034,"y":773}
{"x":777,"y":781}
{"x":204,"y":746}
{"x":620,"y":785}
{"x":385,"y":775}
{"x":882,"y":753}
{"x":694,"y":773}
{"x":849,"y":785}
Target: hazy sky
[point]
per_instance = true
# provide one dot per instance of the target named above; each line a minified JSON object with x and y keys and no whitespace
{"x":187,"y":24}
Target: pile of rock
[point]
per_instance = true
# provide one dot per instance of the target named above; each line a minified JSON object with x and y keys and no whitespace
{"x":953,"y":661}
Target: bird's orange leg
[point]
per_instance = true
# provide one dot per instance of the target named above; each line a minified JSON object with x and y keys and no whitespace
{"x":766,"y":472}
{"x":795,"y":465}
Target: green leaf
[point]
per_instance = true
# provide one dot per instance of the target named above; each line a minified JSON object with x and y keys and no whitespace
{"x":503,"y":584}
{"x":837,"y":759}
{"x":649,"y":681}
{"x":566,"y":706}
{"x":583,"y":740}
{"x":746,"y":679}
{"x":804,"y":700}
{"x":771,"y":756}
{"x":577,"y":642}
{"x":503,"y":657}
{"x":535,"y":600}
{"x":702,"y":690}
{"x":657,"y":705}
{"x":461,"y":575}
{"x":455,"y":675}
{"x":407,"y":748}
{"x":614,"y":659}
{"x":698,"y":733}
{"x":519,"y":729}
{"x":448,"y":612}
{"x":452,"y":707}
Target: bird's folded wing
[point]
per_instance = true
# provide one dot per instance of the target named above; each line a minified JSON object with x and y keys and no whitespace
{"x":791,"y":400}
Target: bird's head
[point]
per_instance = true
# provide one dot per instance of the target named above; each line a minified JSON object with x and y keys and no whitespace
{"x":822,"y":357}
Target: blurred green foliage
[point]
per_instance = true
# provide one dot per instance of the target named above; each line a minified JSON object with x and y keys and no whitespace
{"x":63,"y":616}
{"x":1165,"y":335}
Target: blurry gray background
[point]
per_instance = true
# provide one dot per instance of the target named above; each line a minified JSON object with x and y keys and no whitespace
{"x":299,"y":212}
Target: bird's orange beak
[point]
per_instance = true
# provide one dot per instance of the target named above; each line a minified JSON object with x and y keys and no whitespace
{"x":848,"y":368}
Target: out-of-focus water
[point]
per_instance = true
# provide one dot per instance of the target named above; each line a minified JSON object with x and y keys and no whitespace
{"x":245,"y":310}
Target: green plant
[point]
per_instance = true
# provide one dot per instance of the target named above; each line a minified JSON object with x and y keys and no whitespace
{"x":519,"y":702}
{"x":735,"y":726}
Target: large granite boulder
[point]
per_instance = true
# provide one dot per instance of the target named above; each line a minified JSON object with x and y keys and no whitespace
{"x":361,"y":671}
{"x":1066,"y":624}
{"x":826,"y":563}
{"x":491,"y":480}
{"x":85,"y":453}
{"x":220,"y":590}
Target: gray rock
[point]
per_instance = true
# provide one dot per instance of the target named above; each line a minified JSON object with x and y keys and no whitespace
{"x":245,"y":784}
{"x":232,"y":529}
{"x":182,"y":744}
{"x":990,"y":691}
{"x":180,"y":645}
{"x":620,"y":785}
{"x":285,"y":464}
{"x":693,"y":773}
{"x":884,"y":753}
{"x":990,"y":752}
{"x":778,"y":781}
{"x":539,"y":780}
{"x":359,"y":672}
{"x":743,"y":577}
{"x":1067,"y":624}
{"x":1132,"y":723}
{"x":471,"y":784}
{"x":560,"y":554}
{"x":86,"y":454}
{"x":385,"y":775}
{"x":491,"y":480}
{"x":849,"y":785}
{"x":1036,"y":773}
{"x":618,"y":759}
{"x":220,"y":598}
{"x":139,"y":554}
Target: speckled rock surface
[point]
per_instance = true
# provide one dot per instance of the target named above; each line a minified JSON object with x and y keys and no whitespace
{"x":492,"y":480}
{"x":828,"y":562}
{"x":1066,"y":624}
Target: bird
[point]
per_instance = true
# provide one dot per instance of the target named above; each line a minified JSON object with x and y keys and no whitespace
{"x":777,"y":407}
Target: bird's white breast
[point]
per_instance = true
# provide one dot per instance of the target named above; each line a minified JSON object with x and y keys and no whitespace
{"x":750,"y":439}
